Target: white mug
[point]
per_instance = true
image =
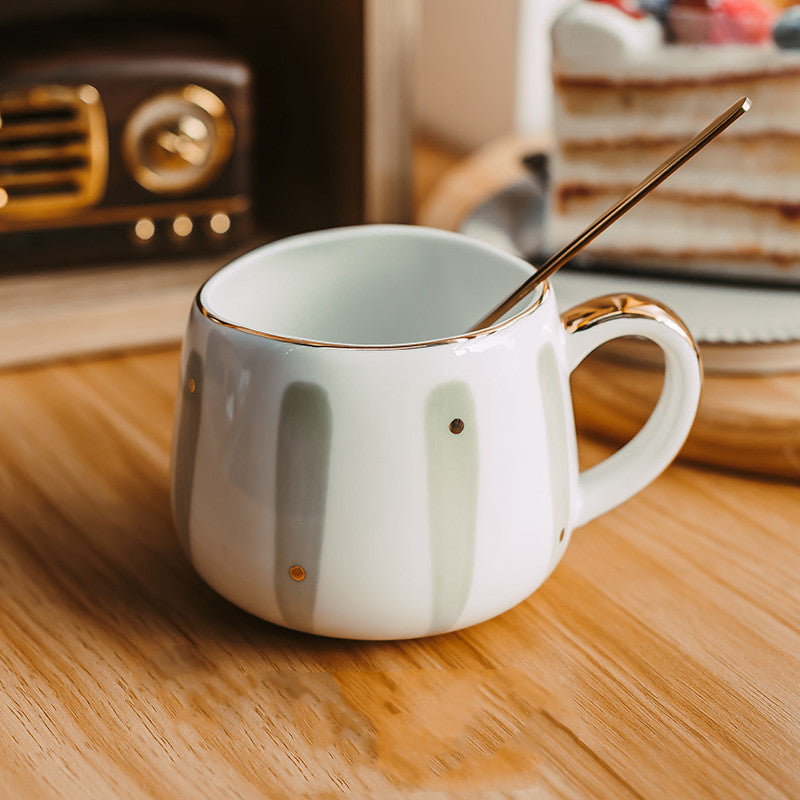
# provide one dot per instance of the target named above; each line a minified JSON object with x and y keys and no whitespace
{"x":348,"y":462}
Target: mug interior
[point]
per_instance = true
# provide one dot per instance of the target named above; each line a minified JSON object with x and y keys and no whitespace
{"x":373,"y":285}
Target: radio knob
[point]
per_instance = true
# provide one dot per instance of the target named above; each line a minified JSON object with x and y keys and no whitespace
{"x":178,"y":141}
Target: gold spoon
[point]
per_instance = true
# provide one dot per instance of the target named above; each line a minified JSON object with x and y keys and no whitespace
{"x":675,"y":161}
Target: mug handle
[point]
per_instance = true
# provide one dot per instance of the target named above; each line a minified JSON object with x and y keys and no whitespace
{"x":643,"y":458}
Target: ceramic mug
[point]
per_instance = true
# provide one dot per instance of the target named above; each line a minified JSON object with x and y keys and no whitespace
{"x":348,"y":462}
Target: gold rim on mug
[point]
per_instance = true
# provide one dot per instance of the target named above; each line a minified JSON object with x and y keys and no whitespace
{"x":349,"y":346}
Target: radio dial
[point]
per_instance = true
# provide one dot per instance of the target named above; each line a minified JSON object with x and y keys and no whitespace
{"x":178,"y":141}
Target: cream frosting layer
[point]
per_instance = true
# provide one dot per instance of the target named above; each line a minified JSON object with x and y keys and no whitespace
{"x":676,"y":227}
{"x":619,"y":112}
{"x":760,"y":168}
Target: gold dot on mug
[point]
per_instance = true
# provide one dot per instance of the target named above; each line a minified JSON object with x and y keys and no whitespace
{"x":297,"y":573}
{"x":561,"y":535}
{"x":192,"y":385}
{"x":457,"y":425}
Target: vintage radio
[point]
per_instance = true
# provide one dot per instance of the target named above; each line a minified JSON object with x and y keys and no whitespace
{"x":135,"y":147}
{"x":139,"y":128}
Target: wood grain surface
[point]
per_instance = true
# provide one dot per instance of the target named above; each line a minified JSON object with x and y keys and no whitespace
{"x":660,"y":660}
{"x":744,"y":422}
{"x":69,"y":313}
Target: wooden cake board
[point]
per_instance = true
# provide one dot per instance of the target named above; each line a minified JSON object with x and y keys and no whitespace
{"x":749,"y":423}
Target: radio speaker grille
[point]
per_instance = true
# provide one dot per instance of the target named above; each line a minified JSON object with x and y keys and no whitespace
{"x":53,"y":151}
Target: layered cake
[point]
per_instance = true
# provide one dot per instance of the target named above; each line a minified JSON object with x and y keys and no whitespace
{"x":631,"y":87}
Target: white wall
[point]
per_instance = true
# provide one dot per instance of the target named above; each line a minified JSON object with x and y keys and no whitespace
{"x":483,"y":69}
{"x":466,"y":70}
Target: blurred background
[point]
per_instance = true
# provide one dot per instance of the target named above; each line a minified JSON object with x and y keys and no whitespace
{"x":135,"y":130}
{"x":483,"y":69}
{"x":143,"y":144}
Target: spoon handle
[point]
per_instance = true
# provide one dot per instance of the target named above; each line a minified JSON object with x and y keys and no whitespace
{"x":660,"y":173}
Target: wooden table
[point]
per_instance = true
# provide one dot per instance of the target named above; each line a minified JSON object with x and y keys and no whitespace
{"x":660,"y":660}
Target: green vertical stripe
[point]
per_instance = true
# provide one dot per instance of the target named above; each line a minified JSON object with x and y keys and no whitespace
{"x":556,"y":430}
{"x":452,"y":461}
{"x":186,"y":445}
{"x":304,"y":441}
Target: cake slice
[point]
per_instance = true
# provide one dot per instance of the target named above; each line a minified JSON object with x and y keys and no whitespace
{"x":625,"y":99}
